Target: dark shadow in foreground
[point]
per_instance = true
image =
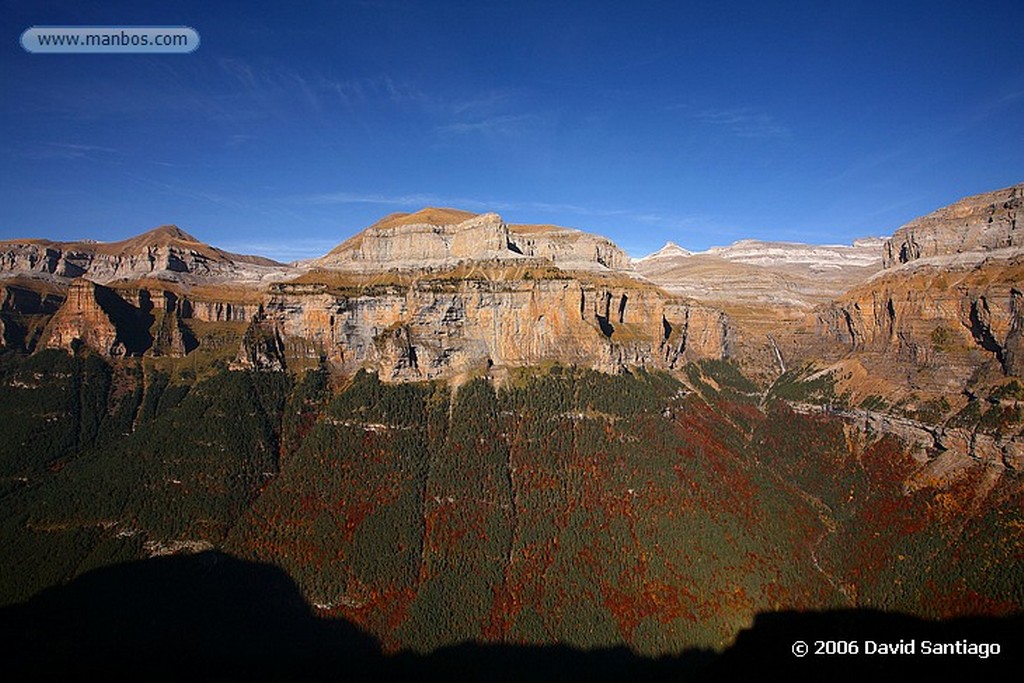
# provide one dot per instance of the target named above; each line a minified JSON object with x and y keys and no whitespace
{"x":211,"y":616}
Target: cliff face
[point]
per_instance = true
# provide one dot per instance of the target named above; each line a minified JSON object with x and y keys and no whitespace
{"x":434,"y":238}
{"x":24,"y":305}
{"x":945,"y":321}
{"x":982,"y":223}
{"x":440,"y":293}
{"x":441,"y":328}
{"x":571,"y":249}
{"x":133,"y":320}
{"x":95,"y":316}
{"x":948,"y":303}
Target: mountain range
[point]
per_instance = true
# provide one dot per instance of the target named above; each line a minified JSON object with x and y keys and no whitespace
{"x":452,"y":429}
{"x":443,"y":293}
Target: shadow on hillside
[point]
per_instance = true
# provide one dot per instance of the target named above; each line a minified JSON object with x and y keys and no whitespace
{"x":211,"y":616}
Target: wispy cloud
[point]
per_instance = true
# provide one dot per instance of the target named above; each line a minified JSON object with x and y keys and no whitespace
{"x":276,"y":89}
{"x":742,"y":122}
{"x":505,"y":124}
{"x":238,"y":139}
{"x":866,"y":164}
{"x":665,"y":220}
{"x":69,"y":151}
{"x":419,"y":200}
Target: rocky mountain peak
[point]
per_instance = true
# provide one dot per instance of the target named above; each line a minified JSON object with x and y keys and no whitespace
{"x":165,"y":233}
{"x":670,"y":250}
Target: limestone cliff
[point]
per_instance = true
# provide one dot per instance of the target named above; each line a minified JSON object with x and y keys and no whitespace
{"x":944,"y":322}
{"x":440,"y":293}
{"x":440,"y":238}
{"x":95,"y":316}
{"x":567,"y":248}
{"x":982,"y":223}
{"x":443,"y":326}
{"x":140,"y":318}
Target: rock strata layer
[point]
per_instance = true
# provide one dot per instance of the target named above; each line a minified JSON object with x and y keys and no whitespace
{"x":982,"y":223}
{"x":443,"y":237}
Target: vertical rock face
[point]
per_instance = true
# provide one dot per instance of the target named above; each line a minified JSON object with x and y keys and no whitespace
{"x":948,"y":303}
{"x":1013,"y":347}
{"x":170,"y":337}
{"x":262,"y":347}
{"x":434,"y":238}
{"x":948,"y":321}
{"x":213,"y":311}
{"x":88,"y":317}
{"x":116,"y":323}
{"x":984,"y":222}
{"x":423,"y":243}
{"x":22,"y":298}
{"x":567,"y":248}
{"x":438,"y":328}
{"x":22,"y":301}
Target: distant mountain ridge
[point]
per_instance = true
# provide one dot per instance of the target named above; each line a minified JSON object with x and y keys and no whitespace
{"x":441,"y":292}
{"x":165,"y":252}
{"x":367,"y":401}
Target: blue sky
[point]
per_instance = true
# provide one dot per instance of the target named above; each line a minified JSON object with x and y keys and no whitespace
{"x":291,"y":128}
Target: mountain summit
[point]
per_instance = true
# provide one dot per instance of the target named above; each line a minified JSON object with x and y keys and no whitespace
{"x":442,"y":237}
{"x":166,"y":252}
{"x":670,"y":250}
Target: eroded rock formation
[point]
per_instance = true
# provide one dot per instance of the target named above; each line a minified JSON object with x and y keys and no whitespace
{"x":434,"y":238}
{"x":166,"y":252}
{"x":982,"y":223}
{"x":443,"y":327}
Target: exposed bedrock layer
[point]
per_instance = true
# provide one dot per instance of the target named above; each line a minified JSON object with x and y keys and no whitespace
{"x":437,"y":328}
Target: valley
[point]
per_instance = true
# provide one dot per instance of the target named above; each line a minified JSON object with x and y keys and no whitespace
{"x":524,"y":437}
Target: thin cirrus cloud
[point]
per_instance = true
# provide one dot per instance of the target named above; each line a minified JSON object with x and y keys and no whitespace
{"x":64,"y":151}
{"x":275,"y":89}
{"x":505,"y":124}
{"x":275,"y":84}
{"x":666,"y":220}
{"x":742,"y":122}
{"x":419,"y":200}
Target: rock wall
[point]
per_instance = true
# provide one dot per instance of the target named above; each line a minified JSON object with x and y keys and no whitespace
{"x":567,"y":248}
{"x":950,"y":322}
{"x":134,"y":321}
{"x":413,"y":243}
{"x":90,"y":316}
{"x":436,"y":329}
{"x":984,"y":222}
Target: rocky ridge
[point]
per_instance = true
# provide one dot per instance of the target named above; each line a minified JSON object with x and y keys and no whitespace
{"x":166,"y":253}
{"x":438,"y":238}
{"x":773,"y":274}
{"x":441,"y":293}
{"x":947,"y":304}
{"x":981,"y":223}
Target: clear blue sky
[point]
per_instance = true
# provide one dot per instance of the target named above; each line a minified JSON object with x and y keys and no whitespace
{"x":292,"y":127}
